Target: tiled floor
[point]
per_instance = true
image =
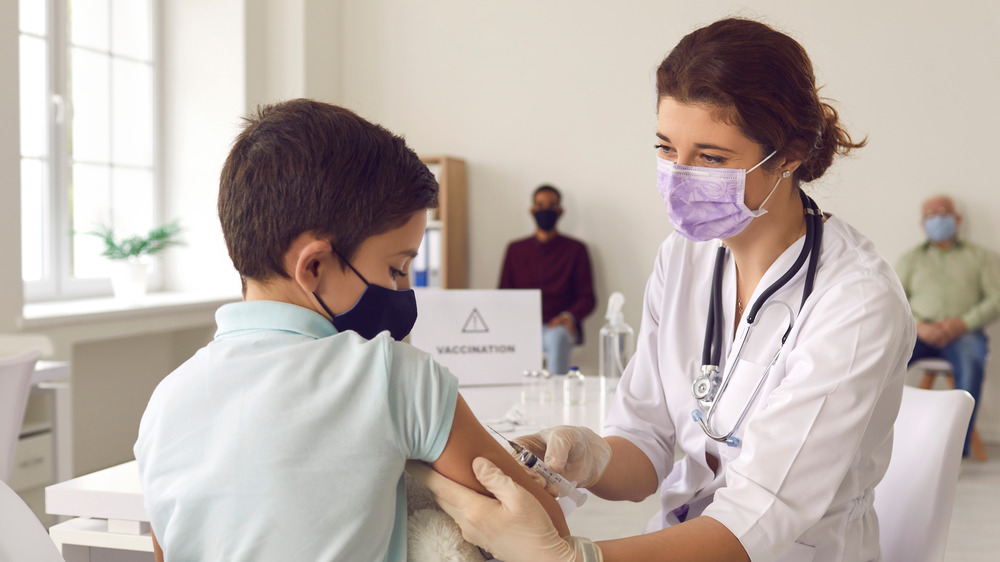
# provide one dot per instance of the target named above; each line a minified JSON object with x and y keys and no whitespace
{"x":975,"y":524}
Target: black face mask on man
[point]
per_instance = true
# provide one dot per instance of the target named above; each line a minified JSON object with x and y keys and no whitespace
{"x":377,"y":310}
{"x":546,"y":219}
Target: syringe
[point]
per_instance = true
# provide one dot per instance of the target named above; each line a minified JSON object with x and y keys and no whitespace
{"x":533,"y":463}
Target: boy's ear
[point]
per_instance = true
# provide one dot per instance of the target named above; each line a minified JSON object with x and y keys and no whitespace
{"x":310,"y":258}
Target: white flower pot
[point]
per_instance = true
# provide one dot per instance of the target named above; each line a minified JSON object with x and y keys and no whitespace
{"x":129,"y":279}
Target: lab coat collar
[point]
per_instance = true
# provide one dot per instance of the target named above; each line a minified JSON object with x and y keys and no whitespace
{"x":773,"y":273}
{"x":259,"y":316}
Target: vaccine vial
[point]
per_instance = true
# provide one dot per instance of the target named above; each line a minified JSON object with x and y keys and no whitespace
{"x":546,"y":394}
{"x":574,"y":388}
{"x":529,"y":387}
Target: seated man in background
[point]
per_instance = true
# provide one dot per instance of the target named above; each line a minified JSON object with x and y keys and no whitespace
{"x":560,"y":267}
{"x":954,"y":289}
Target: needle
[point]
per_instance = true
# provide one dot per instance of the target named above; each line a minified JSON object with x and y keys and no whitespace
{"x":517,"y":448}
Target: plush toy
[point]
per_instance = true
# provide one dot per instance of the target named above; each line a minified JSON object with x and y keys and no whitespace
{"x":431,"y":535}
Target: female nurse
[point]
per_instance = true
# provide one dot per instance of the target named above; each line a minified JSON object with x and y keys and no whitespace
{"x":766,"y":427}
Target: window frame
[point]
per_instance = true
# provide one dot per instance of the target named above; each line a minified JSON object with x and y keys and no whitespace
{"x":57,"y":281}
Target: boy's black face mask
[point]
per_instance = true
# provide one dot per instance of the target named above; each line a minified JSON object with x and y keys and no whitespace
{"x":377,"y":310}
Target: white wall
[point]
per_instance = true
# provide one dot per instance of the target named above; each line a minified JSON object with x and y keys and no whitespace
{"x":531,"y":92}
{"x":203,"y":87}
{"x":562,"y":91}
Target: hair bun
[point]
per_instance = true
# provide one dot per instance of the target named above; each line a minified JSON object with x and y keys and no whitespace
{"x":832,"y":139}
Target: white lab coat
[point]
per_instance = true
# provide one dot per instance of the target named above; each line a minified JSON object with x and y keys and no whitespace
{"x":816,"y":440}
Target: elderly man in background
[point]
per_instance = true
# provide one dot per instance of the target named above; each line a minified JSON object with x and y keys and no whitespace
{"x":954,"y":289}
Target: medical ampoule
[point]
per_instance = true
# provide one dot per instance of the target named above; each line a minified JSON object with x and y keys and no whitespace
{"x":574,"y":387}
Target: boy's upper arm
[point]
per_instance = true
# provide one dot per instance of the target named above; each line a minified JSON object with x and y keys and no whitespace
{"x":469,"y":439}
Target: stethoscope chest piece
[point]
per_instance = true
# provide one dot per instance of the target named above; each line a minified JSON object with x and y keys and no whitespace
{"x":705,"y":386}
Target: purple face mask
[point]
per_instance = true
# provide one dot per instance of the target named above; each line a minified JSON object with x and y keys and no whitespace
{"x":707,"y":203}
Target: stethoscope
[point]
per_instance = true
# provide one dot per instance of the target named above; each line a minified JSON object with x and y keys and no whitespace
{"x":709,"y":387}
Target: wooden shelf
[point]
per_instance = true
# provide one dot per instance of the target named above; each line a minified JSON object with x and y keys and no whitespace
{"x":451,"y":219}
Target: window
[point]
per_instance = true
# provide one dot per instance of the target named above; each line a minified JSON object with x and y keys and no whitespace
{"x":88,"y":123}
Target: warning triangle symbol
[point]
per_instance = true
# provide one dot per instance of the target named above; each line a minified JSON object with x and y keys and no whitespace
{"x":475,"y":324}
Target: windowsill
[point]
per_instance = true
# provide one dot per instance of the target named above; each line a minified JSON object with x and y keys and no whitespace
{"x":71,"y":312}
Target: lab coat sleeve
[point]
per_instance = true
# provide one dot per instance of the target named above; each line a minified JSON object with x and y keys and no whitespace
{"x":640,"y":412}
{"x":840,"y":394}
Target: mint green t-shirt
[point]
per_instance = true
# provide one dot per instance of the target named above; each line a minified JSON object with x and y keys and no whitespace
{"x":285,"y":440}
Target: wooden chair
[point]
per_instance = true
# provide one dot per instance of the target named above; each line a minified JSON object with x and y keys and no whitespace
{"x":935,"y":367}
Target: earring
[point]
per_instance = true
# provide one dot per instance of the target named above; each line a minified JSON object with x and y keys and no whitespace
{"x":785,"y":174}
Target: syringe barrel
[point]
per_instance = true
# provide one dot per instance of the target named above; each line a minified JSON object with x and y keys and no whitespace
{"x":563,"y":486}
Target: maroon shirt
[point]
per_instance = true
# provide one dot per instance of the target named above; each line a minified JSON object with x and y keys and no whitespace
{"x":560,"y":268}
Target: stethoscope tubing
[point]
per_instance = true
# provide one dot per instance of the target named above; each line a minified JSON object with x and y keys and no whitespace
{"x":712,"y":348}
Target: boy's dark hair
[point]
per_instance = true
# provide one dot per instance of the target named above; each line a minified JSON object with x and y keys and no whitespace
{"x":307,"y":166}
{"x":547,"y":187}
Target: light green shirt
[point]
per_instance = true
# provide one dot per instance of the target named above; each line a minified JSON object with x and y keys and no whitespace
{"x":960,"y":282}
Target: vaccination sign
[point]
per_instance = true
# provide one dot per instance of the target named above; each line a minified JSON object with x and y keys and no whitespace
{"x":483,"y":336}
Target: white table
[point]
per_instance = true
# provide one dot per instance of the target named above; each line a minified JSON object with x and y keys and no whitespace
{"x":506,"y":409}
{"x":109,"y":514}
{"x":54,"y":377}
{"x":108,"y":504}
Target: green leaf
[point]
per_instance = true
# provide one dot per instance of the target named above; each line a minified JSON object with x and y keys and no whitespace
{"x":136,"y":246}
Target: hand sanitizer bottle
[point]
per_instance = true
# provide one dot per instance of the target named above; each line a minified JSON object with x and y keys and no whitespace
{"x":617,"y":339}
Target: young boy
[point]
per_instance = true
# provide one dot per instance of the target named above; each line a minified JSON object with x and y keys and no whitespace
{"x":285,"y":437}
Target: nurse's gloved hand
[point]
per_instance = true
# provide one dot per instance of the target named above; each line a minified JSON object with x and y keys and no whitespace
{"x":577,"y":453}
{"x":514,"y":527}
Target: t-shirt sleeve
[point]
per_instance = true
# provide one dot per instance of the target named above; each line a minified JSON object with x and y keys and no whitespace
{"x":422,"y":394}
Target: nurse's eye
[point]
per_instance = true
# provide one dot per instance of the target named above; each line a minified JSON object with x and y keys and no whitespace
{"x":396,"y":273}
{"x":664,"y":150}
{"x":711,"y":159}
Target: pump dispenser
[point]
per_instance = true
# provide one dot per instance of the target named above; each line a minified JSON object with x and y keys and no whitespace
{"x":617,"y":341}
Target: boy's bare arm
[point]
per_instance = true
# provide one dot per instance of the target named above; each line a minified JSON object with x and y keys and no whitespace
{"x":157,"y":551}
{"x":469,"y":439}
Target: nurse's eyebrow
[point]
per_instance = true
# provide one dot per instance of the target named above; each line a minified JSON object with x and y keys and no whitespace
{"x":700,"y":145}
{"x":408,"y":253}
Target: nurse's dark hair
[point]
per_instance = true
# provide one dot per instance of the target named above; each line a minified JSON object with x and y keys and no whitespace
{"x":307,"y":166}
{"x":762,"y":81}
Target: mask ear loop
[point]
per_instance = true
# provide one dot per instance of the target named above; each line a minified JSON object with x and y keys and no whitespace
{"x":343,"y":259}
{"x":356,"y":272}
{"x":760,"y":208}
{"x":784,"y":175}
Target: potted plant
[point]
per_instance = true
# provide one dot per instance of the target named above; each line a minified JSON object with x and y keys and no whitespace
{"x":130,"y":268}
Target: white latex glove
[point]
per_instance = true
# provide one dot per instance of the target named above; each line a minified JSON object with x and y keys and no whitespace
{"x":514,"y":527}
{"x":577,"y":453}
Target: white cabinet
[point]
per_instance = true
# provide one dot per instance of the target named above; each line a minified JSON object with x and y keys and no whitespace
{"x":32,"y":462}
